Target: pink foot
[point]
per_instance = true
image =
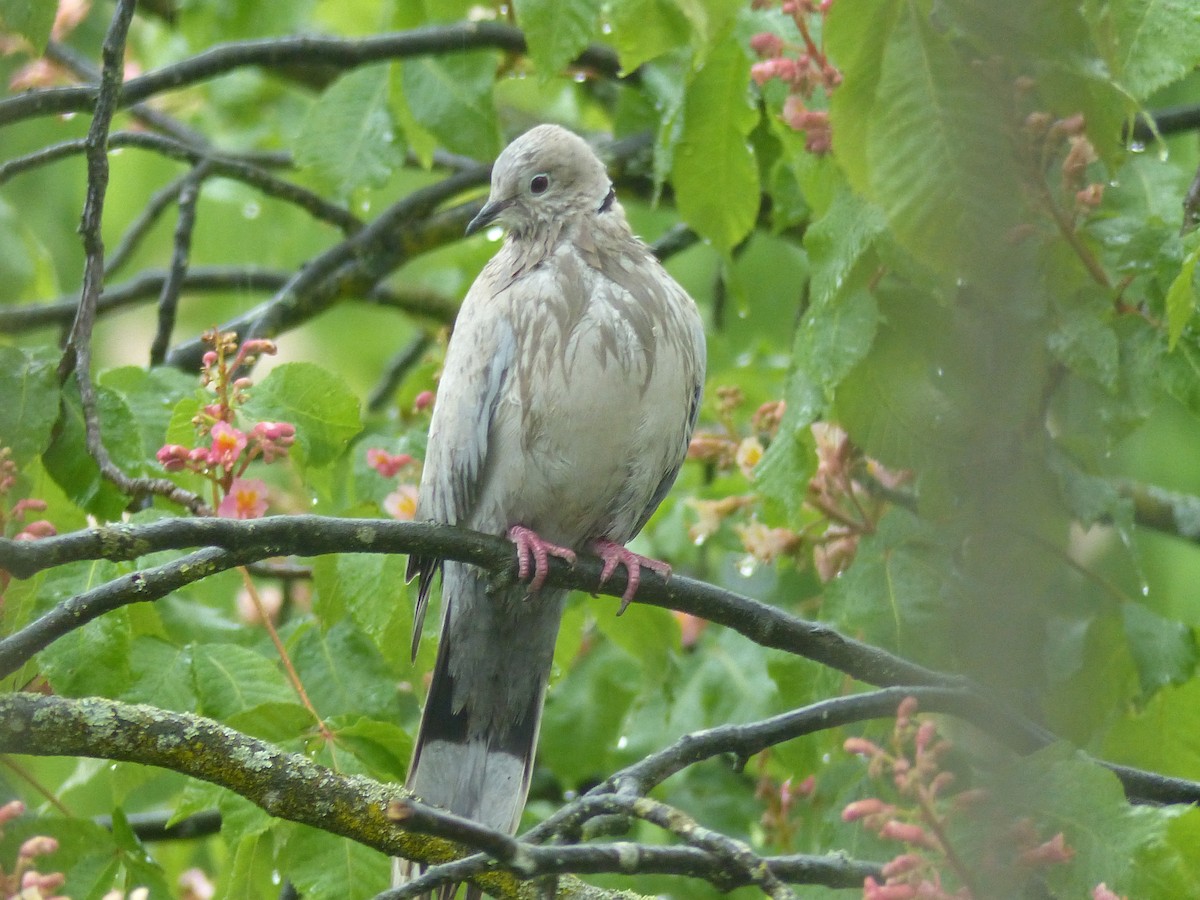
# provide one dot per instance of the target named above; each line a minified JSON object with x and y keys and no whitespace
{"x":530,"y":544}
{"x":614,"y":555}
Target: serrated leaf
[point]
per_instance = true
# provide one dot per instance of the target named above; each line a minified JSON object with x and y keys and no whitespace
{"x":231,"y":679}
{"x":727,"y":683}
{"x":1087,"y":345}
{"x":370,"y":587}
{"x":274,"y":721}
{"x":451,"y":96}
{"x":584,"y":714}
{"x":160,"y":674}
{"x":92,"y":660}
{"x":152,"y":396}
{"x":709,"y":20}
{"x":385,"y":749}
{"x":250,"y":869}
{"x":323,"y":865}
{"x":344,"y":673}
{"x":319,"y":403}
{"x":647,"y":633}
{"x":838,"y":240}
{"x":556,"y":32}
{"x":715,"y":174}
{"x":1160,"y":735}
{"x":348,"y":136}
{"x":29,"y":386}
{"x":29,"y":18}
{"x":1181,"y":299}
{"x":87,"y":853}
{"x":891,"y":594}
{"x":1164,"y":651}
{"x":1158,"y":42}
{"x":72,"y":467}
{"x":923,"y":134}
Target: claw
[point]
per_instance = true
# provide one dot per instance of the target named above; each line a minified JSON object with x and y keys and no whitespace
{"x":615,"y":555}
{"x":530,"y":544}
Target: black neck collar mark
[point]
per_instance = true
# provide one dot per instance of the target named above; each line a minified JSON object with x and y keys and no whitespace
{"x":609,"y":199}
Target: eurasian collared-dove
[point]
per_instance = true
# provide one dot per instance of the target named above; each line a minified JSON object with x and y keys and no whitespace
{"x":569,"y":394}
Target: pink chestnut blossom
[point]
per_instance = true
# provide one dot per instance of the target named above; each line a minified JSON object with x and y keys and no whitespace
{"x":246,"y":499}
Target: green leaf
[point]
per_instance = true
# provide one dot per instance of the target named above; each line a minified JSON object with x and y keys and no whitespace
{"x":323,"y":865}
{"x":1181,"y":299}
{"x":709,"y":20}
{"x":451,"y":96}
{"x":839,"y":240}
{"x":922,"y":132}
{"x":320,"y":404}
{"x":160,"y":674}
{"x":344,"y":673}
{"x":384,"y":749}
{"x":1087,"y":345}
{"x":891,"y":594}
{"x":72,"y":467}
{"x":1157,"y":41}
{"x":370,"y":587}
{"x":1161,"y":734}
{"x":31,"y":19}
{"x":348,"y":136}
{"x":152,"y":397}
{"x":250,"y":869}
{"x":230,"y":679}
{"x":1164,"y":651}
{"x":29,"y":386}
{"x":556,"y":32}
{"x":92,"y":660}
{"x":646,"y":29}
{"x":715,"y":174}
{"x":726,"y":684}
{"x":585,"y":712}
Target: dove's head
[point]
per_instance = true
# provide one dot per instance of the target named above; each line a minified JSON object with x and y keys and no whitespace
{"x":545,"y":176}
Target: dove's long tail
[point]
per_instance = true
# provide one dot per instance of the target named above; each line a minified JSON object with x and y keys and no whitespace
{"x":474,"y":751}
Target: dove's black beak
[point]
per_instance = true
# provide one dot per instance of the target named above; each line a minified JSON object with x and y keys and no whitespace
{"x":490,"y":212}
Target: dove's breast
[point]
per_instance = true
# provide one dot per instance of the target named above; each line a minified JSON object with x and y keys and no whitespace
{"x":597,"y":409}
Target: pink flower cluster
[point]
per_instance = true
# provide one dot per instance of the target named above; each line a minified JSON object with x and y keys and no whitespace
{"x":919,"y":817}
{"x":804,"y":68}
{"x":224,"y":451}
{"x":402,"y":502}
{"x":15,"y":515}
{"x":24,"y":881}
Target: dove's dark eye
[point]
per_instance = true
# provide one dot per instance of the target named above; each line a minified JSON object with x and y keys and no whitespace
{"x":539,"y":183}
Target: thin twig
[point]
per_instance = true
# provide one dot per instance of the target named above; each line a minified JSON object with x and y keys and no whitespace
{"x":397,"y":370}
{"x":292,"y":675}
{"x":168,"y":298}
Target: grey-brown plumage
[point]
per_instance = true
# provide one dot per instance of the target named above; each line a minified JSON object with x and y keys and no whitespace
{"x":569,"y":394}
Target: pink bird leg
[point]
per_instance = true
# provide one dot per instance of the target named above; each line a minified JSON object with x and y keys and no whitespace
{"x":530,"y":544}
{"x":614,"y":555}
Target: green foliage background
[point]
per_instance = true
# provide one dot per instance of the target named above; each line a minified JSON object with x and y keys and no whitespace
{"x":930,"y":286}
